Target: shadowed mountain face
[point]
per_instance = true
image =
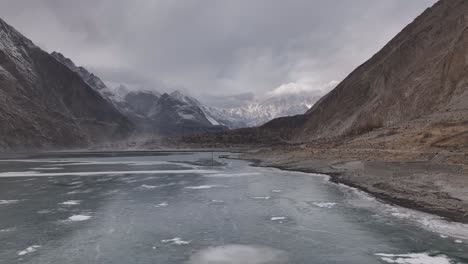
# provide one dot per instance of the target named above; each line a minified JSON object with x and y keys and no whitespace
{"x":43,"y":104}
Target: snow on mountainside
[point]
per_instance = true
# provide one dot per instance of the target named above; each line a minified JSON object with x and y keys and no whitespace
{"x":261,"y":111}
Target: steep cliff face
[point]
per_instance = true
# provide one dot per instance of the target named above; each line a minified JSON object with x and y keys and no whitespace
{"x":43,"y":104}
{"x":421,"y":73}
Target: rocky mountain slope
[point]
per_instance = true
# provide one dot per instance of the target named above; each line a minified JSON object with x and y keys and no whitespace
{"x":43,"y":104}
{"x":411,"y":94}
{"x":420,"y":74}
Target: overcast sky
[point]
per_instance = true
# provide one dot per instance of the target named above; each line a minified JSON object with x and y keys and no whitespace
{"x":214,"y":48}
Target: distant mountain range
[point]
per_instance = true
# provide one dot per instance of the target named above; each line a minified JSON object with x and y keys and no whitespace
{"x":46,"y":101}
{"x":260,"y":111}
{"x":176,"y":113}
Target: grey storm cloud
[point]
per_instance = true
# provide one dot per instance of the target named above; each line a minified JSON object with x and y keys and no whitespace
{"x":212,"y":47}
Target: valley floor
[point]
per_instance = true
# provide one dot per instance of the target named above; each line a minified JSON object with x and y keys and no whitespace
{"x":408,"y":178}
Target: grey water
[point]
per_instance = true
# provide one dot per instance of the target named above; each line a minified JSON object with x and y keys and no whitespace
{"x":166,"y":208}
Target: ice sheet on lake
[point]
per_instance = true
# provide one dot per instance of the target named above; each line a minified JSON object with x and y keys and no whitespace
{"x":176,"y":241}
{"x":96,"y":173}
{"x":415,"y":258}
{"x":29,"y":250}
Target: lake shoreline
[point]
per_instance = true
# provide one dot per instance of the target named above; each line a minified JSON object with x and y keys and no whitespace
{"x":366,"y":175}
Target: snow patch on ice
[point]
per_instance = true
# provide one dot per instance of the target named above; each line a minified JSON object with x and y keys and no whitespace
{"x":415,"y":258}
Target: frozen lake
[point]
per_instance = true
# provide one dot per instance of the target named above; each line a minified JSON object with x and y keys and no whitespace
{"x":167,"y":208}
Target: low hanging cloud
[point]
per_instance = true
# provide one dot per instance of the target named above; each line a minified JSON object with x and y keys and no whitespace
{"x":217,"y":48}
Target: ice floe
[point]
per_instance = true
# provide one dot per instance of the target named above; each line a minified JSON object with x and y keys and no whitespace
{"x":324,"y":204}
{"x":78,"y":218}
{"x":29,"y":250}
{"x":150,"y":187}
{"x":415,"y":258}
{"x":6,"y":230}
{"x":458,"y":241}
{"x":176,"y":241}
{"x":201,"y":187}
{"x":276,"y":191}
{"x":71,"y":202}
{"x":2,"y":202}
{"x":278,"y":218}
{"x":164,"y":204}
{"x":261,"y":197}
{"x":47,"y":168}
